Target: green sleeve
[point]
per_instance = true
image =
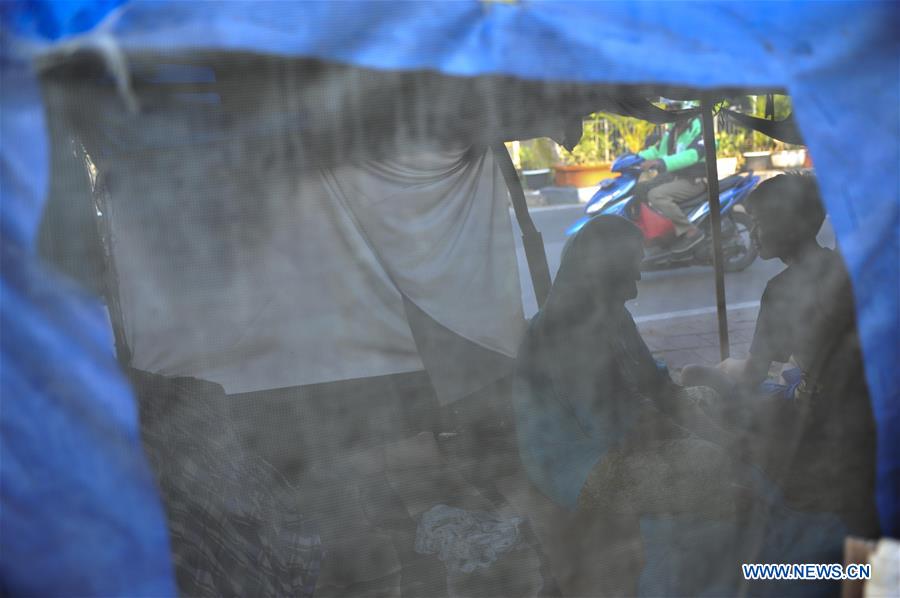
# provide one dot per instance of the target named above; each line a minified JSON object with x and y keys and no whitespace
{"x":688,"y":157}
{"x":651,"y":153}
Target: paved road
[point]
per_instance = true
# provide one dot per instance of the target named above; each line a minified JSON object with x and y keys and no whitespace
{"x":659,"y":293}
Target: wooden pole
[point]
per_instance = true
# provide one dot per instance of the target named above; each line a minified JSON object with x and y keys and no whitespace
{"x":712,"y":177}
{"x":532,"y":240}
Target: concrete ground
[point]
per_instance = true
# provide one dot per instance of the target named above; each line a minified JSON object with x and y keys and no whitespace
{"x":694,"y":338}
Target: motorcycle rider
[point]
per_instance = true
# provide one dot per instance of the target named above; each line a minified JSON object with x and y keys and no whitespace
{"x":679,"y":160}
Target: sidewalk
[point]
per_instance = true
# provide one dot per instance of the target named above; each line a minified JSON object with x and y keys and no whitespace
{"x":680,"y":341}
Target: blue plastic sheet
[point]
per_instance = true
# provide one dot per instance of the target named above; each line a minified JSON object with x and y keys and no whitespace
{"x":838,"y":61}
{"x":80,"y":513}
{"x":81,"y":516}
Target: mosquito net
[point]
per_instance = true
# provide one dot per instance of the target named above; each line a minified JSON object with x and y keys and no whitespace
{"x":292,"y":291}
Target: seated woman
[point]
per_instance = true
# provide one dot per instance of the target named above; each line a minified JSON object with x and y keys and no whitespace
{"x":603,"y":431}
{"x":600,"y":425}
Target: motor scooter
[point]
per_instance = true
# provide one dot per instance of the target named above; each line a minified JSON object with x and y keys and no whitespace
{"x":615,"y":196}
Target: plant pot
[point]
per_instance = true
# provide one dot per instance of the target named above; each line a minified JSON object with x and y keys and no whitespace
{"x":757,"y":160}
{"x":537,"y":179}
{"x":580,"y":175}
{"x":789,"y":159}
{"x":726,"y":166}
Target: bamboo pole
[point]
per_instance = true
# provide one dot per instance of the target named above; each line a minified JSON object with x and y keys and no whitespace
{"x":532,"y":240}
{"x":712,"y":177}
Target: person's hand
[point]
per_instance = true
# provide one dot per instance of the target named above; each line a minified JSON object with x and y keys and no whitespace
{"x":652,"y":165}
{"x":733,"y":368}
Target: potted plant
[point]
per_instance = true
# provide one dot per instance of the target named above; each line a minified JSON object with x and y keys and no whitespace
{"x":758,"y":160}
{"x":759,"y":156}
{"x":536,"y":157}
{"x":728,"y":148}
{"x":789,"y":156}
{"x":580,"y":175}
{"x":586,"y":164}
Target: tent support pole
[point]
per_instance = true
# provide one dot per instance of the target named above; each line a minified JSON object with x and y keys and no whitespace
{"x":712,"y":177}
{"x":532,"y":240}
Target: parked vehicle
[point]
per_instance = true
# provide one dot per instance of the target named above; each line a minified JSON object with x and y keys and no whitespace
{"x":616,"y":196}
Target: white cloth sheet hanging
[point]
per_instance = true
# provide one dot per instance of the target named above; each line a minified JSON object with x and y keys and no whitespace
{"x":260,"y":278}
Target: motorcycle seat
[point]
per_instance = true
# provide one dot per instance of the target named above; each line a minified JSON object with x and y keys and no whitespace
{"x":729,"y":182}
{"x":724,"y":185}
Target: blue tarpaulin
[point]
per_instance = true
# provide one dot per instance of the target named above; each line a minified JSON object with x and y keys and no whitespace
{"x":80,"y":511}
{"x":838,"y":62}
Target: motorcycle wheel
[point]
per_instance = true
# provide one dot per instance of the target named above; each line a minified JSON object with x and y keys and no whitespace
{"x":747,"y":253}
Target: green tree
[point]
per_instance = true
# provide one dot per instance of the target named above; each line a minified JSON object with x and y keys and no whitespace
{"x":783,"y":109}
{"x":632,"y":131}
{"x":730,"y":145}
{"x":624,"y":134}
{"x":537,"y":153}
{"x":593,"y":146}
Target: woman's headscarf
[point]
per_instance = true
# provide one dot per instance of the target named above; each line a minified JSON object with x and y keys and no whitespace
{"x":583,"y":369}
{"x":584,"y":322}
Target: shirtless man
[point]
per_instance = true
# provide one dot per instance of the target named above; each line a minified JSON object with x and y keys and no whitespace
{"x":816,"y":427}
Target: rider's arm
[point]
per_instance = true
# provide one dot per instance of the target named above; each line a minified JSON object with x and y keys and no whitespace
{"x":653,"y":152}
{"x":681,"y":160}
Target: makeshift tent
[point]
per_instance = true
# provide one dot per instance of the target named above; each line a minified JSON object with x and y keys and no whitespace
{"x":368,"y":197}
{"x":482,"y":58}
